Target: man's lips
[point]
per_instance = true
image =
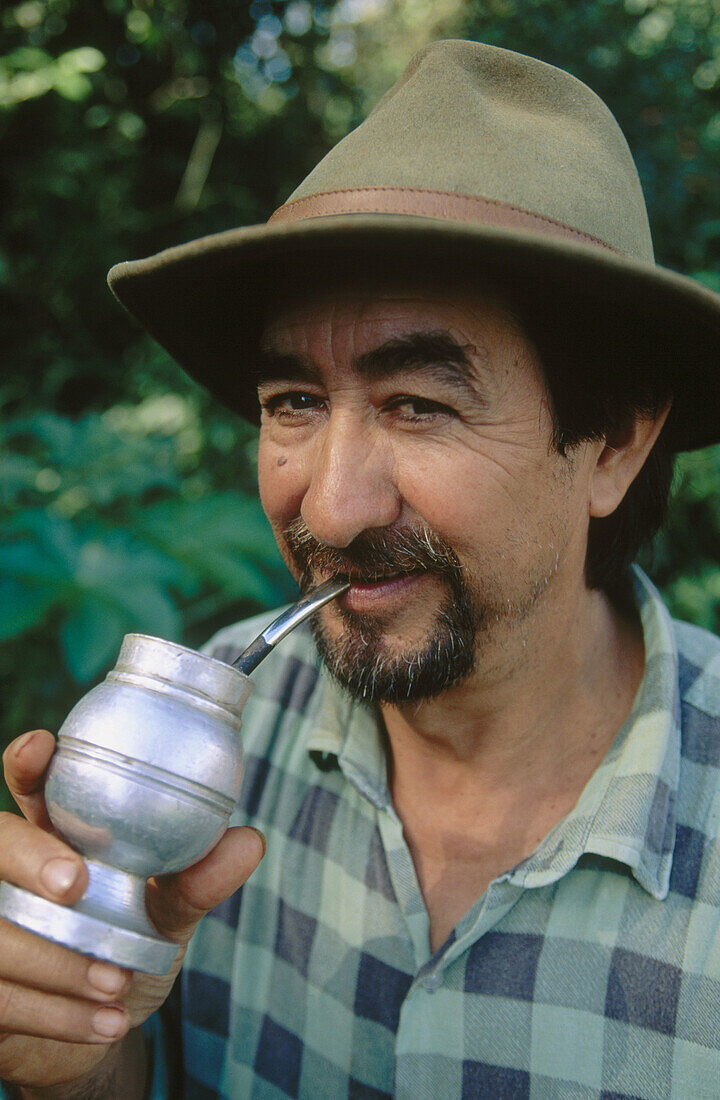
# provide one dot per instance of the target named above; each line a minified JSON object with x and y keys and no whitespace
{"x":360,"y":578}
{"x":369,"y":591}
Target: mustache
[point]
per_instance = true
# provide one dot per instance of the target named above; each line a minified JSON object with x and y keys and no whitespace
{"x":373,"y":555}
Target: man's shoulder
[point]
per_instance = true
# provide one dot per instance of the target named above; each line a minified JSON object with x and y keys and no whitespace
{"x":698,"y":667}
{"x":699,"y":713}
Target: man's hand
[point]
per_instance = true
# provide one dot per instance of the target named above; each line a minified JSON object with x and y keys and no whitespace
{"x":60,"y":1012}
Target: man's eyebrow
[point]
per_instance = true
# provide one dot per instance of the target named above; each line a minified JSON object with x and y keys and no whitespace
{"x":438,"y":351}
{"x":274,"y":366}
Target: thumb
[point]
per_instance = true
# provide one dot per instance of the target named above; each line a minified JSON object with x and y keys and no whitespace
{"x":26,"y":761}
{"x":177,"y":902}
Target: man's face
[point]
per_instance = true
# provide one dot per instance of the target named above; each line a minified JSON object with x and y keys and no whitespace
{"x":406,"y":444}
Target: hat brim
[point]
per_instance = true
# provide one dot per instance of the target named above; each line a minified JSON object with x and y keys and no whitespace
{"x":206,"y":301}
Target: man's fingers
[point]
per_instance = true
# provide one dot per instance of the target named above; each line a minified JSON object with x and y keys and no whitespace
{"x":26,"y":760}
{"x":25,"y":1011}
{"x":33,"y":961}
{"x":40,"y":862}
{"x":177,"y":902}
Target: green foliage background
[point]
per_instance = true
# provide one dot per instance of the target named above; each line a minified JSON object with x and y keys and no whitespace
{"x":127,"y":494}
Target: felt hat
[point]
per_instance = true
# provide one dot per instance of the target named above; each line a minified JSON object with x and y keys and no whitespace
{"x":479,"y":162}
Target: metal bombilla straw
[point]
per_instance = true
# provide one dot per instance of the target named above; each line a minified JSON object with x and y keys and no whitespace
{"x":258,"y":650}
{"x":143,"y":781}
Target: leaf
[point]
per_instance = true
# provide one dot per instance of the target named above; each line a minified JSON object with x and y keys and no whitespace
{"x":111,"y":558}
{"x":22,"y":606}
{"x":17,"y":473}
{"x":83,"y":59}
{"x":29,"y":561}
{"x":197,"y":531}
{"x":72,"y":86}
{"x":91,"y":636}
{"x":26,"y":59}
{"x":241,"y":579}
{"x":64,"y":438}
{"x":43,"y":544}
{"x":710,"y":279}
{"x":148,"y":610}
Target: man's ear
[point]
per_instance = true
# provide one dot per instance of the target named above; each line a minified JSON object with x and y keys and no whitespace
{"x":621,"y":460}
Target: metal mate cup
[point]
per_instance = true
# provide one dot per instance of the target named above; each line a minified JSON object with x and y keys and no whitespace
{"x":143,"y":781}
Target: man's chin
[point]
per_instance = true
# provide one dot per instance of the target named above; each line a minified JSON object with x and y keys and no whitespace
{"x":379,"y":662}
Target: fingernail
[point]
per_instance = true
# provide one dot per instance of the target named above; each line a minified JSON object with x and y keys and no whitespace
{"x":23,"y":743}
{"x":263,"y":839}
{"x":109,"y":1022}
{"x":108,"y":979}
{"x":59,"y":875}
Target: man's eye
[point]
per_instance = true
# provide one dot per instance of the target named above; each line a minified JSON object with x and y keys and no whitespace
{"x":419,"y":408}
{"x":290,"y":403}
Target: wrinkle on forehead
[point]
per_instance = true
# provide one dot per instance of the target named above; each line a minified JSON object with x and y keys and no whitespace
{"x":375,"y":333}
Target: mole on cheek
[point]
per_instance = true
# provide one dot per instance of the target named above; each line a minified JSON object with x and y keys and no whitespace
{"x":282,"y":460}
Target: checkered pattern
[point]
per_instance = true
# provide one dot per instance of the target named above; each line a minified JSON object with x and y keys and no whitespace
{"x":590,"y":970}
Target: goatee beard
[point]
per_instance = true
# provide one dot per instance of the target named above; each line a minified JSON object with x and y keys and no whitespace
{"x":358,"y":658}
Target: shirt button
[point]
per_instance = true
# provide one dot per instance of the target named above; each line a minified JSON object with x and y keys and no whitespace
{"x":432,"y":981}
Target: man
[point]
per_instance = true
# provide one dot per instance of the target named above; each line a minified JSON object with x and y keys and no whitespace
{"x":491,"y":810}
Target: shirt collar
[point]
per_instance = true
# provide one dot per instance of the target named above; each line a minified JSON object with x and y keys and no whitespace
{"x":626,"y":812}
{"x":353,"y":733}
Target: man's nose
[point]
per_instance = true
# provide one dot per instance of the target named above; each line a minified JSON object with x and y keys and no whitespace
{"x":352,"y":485}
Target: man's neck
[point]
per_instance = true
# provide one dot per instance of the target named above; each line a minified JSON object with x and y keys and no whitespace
{"x":539,"y":691}
{"x":481,"y":774}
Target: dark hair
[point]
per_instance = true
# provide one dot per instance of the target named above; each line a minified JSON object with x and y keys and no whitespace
{"x":600,"y":378}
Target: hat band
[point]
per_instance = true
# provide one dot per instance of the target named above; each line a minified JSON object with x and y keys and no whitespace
{"x":426,"y":203}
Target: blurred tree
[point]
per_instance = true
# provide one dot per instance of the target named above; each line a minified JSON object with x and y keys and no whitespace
{"x":129,"y":125}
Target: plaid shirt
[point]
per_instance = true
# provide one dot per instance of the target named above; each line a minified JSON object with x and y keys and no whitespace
{"x":592,"y":969}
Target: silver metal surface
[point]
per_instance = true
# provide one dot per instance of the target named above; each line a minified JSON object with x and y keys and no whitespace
{"x":92,"y":935}
{"x":303,"y":608}
{"x":292,"y":617}
{"x":143,"y":781}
